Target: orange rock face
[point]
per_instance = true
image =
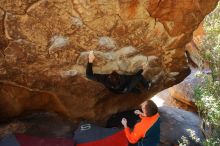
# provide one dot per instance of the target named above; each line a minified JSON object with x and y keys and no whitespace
{"x":44,"y":43}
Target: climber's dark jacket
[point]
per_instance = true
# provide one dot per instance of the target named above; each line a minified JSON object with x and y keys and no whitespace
{"x":118,"y":83}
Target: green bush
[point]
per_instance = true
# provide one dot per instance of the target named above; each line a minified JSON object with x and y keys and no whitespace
{"x":208,"y":95}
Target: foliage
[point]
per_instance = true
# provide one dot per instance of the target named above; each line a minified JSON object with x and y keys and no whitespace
{"x":212,"y":142}
{"x":207,"y":100}
{"x":210,"y":46}
{"x":185,"y":140}
{"x":208,"y":95}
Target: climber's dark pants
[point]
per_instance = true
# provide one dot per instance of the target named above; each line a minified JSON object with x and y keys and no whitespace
{"x":127,"y":83}
{"x":133,"y":82}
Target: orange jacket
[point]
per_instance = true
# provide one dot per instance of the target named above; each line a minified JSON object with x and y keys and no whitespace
{"x":140,"y":128}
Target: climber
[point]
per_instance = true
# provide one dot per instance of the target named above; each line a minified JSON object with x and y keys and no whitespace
{"x":115,"y":82}
{"x":147,"y":131}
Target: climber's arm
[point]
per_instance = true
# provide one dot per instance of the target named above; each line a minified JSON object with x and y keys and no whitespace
{"x":96,"y":77}
{"x":133,"y":136}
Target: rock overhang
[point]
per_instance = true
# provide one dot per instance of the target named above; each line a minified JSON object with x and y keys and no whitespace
{"x":45,"y":47}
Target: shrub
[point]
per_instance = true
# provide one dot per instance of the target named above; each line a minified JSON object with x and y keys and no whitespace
{"x":208,"y":95}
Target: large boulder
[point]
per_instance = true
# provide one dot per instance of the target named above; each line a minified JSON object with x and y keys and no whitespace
{"x":164,"y":98}
{"x":177,"y":124}
{"x":184,"y":91}
{"x":182,"y":95}
{"x":44,"y":46}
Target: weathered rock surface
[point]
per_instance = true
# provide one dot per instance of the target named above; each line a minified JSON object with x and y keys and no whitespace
{"x":184,"y":91}
{"x":193,"y":48}
{"x":44,"y":43}
{"x":181,"y":95}
{"x":164,"y":98}
{"x":176,"y":123}
{"x":39,"y":124}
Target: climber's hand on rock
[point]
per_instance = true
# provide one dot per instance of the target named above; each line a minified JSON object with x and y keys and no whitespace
{"x":124,"y":122}
{"x":137,"y":112}
{"x":143,"y":65}
{"x":91,"y":57}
